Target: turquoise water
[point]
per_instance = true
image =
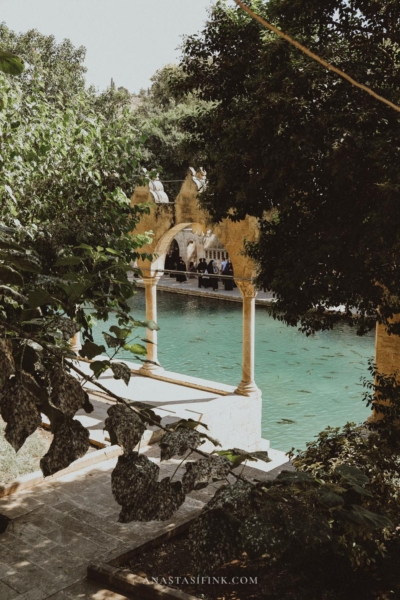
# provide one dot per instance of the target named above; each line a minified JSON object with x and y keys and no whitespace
{"x":306,"y":383}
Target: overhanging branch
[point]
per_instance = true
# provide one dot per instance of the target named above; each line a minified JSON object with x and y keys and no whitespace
{"x":315,"y":57}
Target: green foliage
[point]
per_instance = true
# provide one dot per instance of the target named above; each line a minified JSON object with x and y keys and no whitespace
{"x":341,"y":502}
{"x":383,"y":396}
{"x":237,"y":456}
{"x":161,"y":114}
{"x":10,"y":63}
{"x":68,"y":160}
{"x":358,"y":454}
{"x":297,"y":509}
{"x":59,"y":65}
{"x":311,"y":156}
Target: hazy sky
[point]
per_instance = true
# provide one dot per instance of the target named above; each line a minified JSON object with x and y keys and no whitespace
{"x":127,"y":40}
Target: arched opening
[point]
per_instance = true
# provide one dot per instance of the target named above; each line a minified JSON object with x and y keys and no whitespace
{"x":161,"y":250}
{"x":152,"y":274}
{"x":191,"y":241}
{"x":174,"y":251}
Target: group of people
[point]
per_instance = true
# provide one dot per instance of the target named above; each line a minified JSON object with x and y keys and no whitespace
{"x":204,"y":269}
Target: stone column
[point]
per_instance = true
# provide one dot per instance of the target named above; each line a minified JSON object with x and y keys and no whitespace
{"x":150,"y":285}
{"x":387,"y":357}
{"x":247,"y":387}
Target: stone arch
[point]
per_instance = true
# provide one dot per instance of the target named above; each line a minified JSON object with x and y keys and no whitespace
{"x":167,"y":219}
{"x":162,"y":246}
{"x":164,"y":221}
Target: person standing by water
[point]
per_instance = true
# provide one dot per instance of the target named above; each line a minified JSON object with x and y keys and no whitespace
{"x":212,"y":269}
{"x":181,"y":277}
{"x":228,"y":270}
{"x":168,"y":264}
{"x":201,"y":268}
{"x":223,"y":264}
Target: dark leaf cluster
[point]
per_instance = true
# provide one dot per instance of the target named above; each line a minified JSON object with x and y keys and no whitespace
{"x":308,"y":154}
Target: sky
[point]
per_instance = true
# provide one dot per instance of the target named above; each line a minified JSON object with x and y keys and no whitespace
{"x":127,"y":40}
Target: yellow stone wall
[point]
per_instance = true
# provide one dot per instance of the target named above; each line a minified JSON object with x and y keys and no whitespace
{"x":166,"y":220}
{"x":387,"y":350}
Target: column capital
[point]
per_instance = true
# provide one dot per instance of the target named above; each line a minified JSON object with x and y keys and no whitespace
{"x":151,"y":279}
{"x":246,"y":288}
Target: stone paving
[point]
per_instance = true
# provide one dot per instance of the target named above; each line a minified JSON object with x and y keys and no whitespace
{"x":59,"y":527}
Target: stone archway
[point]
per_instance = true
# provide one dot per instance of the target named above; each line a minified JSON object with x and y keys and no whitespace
{"x":165,"y":221}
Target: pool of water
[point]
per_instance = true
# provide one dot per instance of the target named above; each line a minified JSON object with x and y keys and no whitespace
{"x":307,"y":383}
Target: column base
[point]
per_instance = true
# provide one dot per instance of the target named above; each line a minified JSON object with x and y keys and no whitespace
{"x":248,"y":388}
{"x":149,"y":368}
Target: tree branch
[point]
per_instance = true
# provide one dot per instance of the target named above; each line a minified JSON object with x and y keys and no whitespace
{"x":119,"y":399}
{"x":315,"y":57}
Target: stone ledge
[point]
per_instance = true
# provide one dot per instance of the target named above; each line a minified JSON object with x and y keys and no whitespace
{"x":215,"y":296}
{"x":182,"y":520}
{"x":36,"y":478}
{"x":191,"y":382}
{"x":188,"y":381}
{"x":121,"y":579}
{"x":124,"y":581}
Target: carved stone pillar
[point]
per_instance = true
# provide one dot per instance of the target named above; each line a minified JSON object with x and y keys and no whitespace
{"x":387,"y":357}
{"x":150,"y":285}
{"x":75,"y":343}
{"x":247,"y":387}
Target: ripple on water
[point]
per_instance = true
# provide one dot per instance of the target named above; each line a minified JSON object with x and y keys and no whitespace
{"x":198,"y":330}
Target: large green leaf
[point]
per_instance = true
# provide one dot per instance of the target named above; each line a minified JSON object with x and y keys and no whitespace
{"x":9,"y":275}
{"x":111,"y":341}
{"x":150,"y":324}
{"x":68,"y":260}
{"x":235,"y":457}
{"x":372,"y":519}
{"x":121,"y":334}
{"x":74,"y":291}
{"x":99,"y":366}
{"x":38,"y":297}
{"x":136,"y":349}
{"x":294,"y":477}
{"x":25,"y":263}
{"x":90,"y":350}
{"x":30,"y":314}
{"x":11,"y":63}
{"x":330,"y":499}
{"x":121,"y":371}
{"x":352,"y":474}
{"x":7,"y":244}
